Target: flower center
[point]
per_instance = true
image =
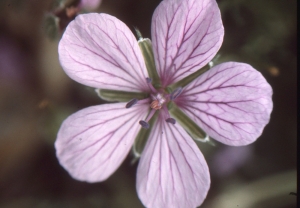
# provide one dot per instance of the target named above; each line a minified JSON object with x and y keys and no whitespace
{"x":158,"y":102}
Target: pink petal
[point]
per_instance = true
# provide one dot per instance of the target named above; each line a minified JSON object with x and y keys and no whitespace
{"x":172,"y":172}
{"x":186,"y":36}
{"x":231,"y":102}
{"x":100,"y":51}
{"x":93,"y":142}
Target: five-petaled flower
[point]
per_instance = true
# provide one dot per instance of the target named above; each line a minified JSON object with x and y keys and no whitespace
{"x":165,"y":104}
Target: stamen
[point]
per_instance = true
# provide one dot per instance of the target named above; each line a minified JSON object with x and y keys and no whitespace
{"x":176,"y":93}
{"x":171,"y":120}
{"x":132,"y":103}
{"x":166,"y":113}
{"x":144,"y":124}
{"x":167,"y":117}
{"x":150,"y":115}
{"x":144,"y":101}
{"x":149,"y":81}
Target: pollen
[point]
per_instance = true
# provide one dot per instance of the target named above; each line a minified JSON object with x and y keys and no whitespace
{"x":158,"y":101}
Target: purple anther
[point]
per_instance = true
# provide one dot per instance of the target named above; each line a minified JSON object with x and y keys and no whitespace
{"x":171,"y":120}
{"x":176,"y":93}
{"x":144,"y":124}
{"x":149,"y":80}
{"x":131,"y":103}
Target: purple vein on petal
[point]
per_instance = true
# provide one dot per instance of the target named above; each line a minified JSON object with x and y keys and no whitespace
{"x":231,"y":102}
{"x":109,"y":55}
{"x":94,"y":141}
{"x":125,"y":56}
{"x":106,"y":143}
{"x":101,"y":58}
{"x":177,"y":68}
{"x":179,"y":58}
{"x":107,"y":120}
{"x":113,"y":75}
{"x":181,"y":171}
{"x":178,"y":169}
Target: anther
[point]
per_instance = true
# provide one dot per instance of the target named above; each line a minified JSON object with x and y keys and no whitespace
{"x":149,"y":80}
{"x":171,"y":120}
{"x":131,"y":103}
{"x":176,"y":93}
{"x":144,"y":124}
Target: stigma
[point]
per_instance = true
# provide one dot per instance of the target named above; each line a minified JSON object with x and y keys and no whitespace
{"x":158,"y":101}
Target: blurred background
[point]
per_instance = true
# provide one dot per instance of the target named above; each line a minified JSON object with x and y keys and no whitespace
{"x":36,"y":96}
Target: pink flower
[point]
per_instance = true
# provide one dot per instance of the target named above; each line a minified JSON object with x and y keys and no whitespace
{"x":231,"y":102}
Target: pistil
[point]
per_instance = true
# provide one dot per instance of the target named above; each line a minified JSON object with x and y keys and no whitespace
{"x":145,"y":123}
{"x":159,"y":100}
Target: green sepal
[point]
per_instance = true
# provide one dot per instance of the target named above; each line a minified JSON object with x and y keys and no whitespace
{"x":120,"y":96}
{"x":187,"y":80}
{"x":142,"y":137}
{"x":51,"y":26}
{"x":187,"y":123}
{"x":146,"y":48}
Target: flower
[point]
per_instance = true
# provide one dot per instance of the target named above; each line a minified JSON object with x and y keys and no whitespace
{"x":164,"y":94}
